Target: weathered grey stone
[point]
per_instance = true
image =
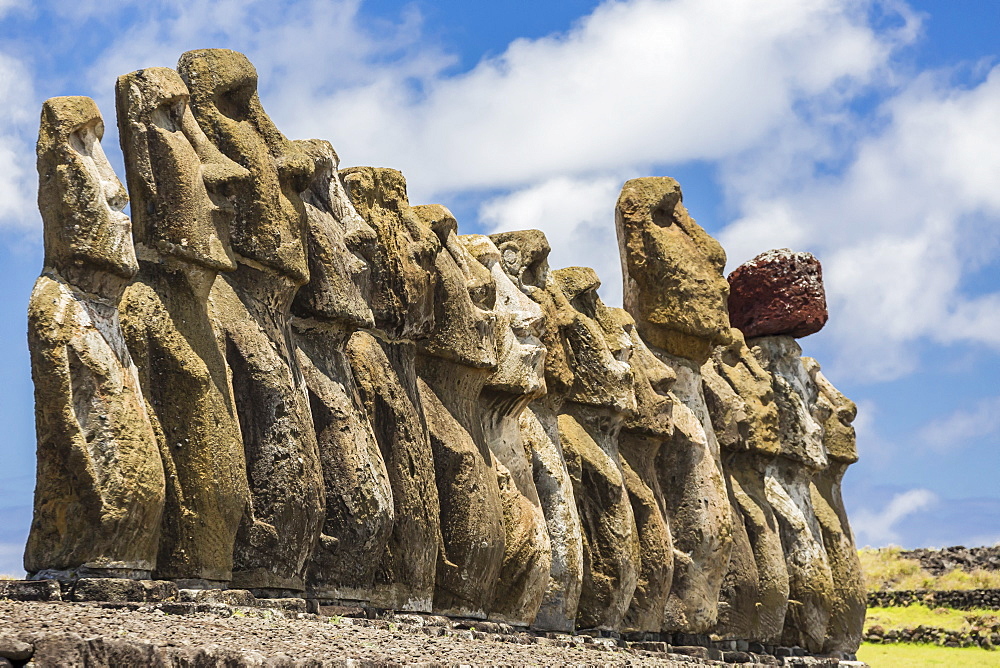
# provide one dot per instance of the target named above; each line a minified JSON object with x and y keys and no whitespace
{"x":453,"y":365}
{"x":601,"y":395}
{"x":251,"y":308}
{"x":836,"y":413}
{"x":402,"y":264}
{"x":672,"y":270}
{"x":31,"y":590}
{"x":788,"y":480}
{"x":640,"y":441}
{"x":327,"y":310}
{"x":180,"y":184}
{"x":518,"y":379}
{"x":675,"y":290}
{"x":739,"y":395}
{"x":117,"y":590}
{"x":14,"y":649}
{"x":524,"y":257}
{"x":99,"y":489}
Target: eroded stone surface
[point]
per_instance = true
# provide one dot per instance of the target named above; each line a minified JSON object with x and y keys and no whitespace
{"x":100,"y":486}
{"x":778,"y":292}
{"x":251,"y":308}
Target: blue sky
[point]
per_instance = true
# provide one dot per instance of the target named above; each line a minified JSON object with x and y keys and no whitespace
{"x":865,"y":131}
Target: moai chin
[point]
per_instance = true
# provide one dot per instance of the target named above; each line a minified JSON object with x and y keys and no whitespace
{"x":251,"y":308}
{"x":327,"y":310}
{"x":453,"y":364}
{"x":741,"y":402}
{"x":180,"y":185}
{"x":674,"y":288}
{"x":600,"y":396}
{"x":836,"y":413}
{"x":640,"y":440}
{"x":100,"y":484}
{"x":518,"y":379}
{"x":524,"y":258}
{"x":384,"y":365}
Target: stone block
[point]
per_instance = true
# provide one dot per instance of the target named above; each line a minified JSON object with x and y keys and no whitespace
{"x":30,"y":590}
{"x":14,"y":649}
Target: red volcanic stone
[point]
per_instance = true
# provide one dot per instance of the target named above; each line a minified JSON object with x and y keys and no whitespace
{"x":778,"y":292}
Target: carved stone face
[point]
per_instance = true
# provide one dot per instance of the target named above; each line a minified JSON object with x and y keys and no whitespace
{"x":653,"y":380}
{"x":520,"y":322}
{"x":674,"y":287}
{"x":402,"y":261}
{"x":80,"y":198}
{"x":599,"y":347}
{"x":181,"y":183}
{"x":836,"y":413}
{"x":270,"y":222}
{"x":341,"y":246}
{"x":465,"y":321}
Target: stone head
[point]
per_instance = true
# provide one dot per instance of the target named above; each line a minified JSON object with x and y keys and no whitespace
{"x":520,"y":323}
{"x":524,"y":256}
{"x":181,"y":184}
{"x":340,"y":244}
{"x":672,"y":270}
{"x":652,"y":381}
{"x":750,"y":406}
{"x":402,"y":259}
{"x":465,"y":320}
{"x":836,"y":413}
{"x":80,"y":198}
{"x":269,"y":228}
{"x":598,"y":345}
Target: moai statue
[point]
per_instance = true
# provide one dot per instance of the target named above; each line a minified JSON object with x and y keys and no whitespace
{"x":836,"y":413}
{"x":327,"y":310}
{"x":675,"y":290}
{"x":776,"y":296}
{"x":519,"y":378}
{"x":740,"y":399}
{"x":384,"y":365}
{"x":642,"y":436}
{"x":600,"y":397}
{"x":180,"y":184}
{"x":453,"y":364}
{"x":251,"y":308}
{"x":524,"y":258}
{"x":100,"y":485}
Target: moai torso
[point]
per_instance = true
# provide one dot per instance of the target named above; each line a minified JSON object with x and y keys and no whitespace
{"x":640,"y":441}
{"x":384,"y":364}
{"x":836,"y":413}
{"x":100,"y":485}
{"x":788,"y":478}
{"x":600,"y":396}
{"x":518,"y":379}
{"x":741,"y":402}
{"x":178,"y":182}
{"x":251,"y":308}
{"x":674,"y":288}
{"x":453,"y":364}
{"x":524,"y":257}
{"x":327,"y":310}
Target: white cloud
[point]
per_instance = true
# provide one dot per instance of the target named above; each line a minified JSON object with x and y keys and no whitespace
{"x":913,"y":214}
{"x":11,"y":556}
{"x":17,"y":173}
{"x":577,"y":216}
{"x":964,"y":428}
{"x":878,"y":528}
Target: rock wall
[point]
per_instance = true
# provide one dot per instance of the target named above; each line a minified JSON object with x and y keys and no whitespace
{"x":282,"y":377}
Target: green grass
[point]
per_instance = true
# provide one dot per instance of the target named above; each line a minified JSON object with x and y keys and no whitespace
{"x":917,"y":615}
{"x":885,"y":569}
{"x":921,"y":656}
